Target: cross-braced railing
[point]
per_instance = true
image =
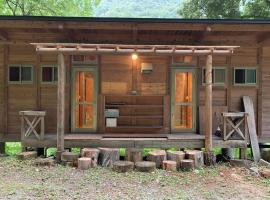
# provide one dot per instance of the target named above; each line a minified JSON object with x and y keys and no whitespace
{"x":29,"y":124}
{"x":235,"y":123}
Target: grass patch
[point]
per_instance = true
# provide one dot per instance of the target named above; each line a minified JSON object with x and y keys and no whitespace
{"x":13,"y":148}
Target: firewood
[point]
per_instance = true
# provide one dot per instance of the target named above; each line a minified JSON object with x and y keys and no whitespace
{"x":69,"y":156}
{"x":197,"y":156}
{"x":176,"y":156}
{"x":123,"y":166}
{"x":145,"y":166}
{"x":84,"y":163}
{"x":133,"y":155}
{"x":91,"y":153}
{"x":187,"y":165}
{"x":157,"y":156}
{"x":45,"y":162}
{"x":27,"y":155}
{"x":209,"y":158}
{"x":169,"y":165}
{"x":108,"y":156}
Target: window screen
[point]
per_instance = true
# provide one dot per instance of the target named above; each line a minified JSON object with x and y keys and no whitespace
{"x":245,"y":76}
{"x":49,"y":74}
{"x":14,"y":74}
{"x":218,"y":76}
{"x":20,"y":74}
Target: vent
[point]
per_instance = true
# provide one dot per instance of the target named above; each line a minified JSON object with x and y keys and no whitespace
{"x":146,"y":68}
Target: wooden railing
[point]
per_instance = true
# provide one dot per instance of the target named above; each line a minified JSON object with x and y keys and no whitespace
{"x":29,"y":124}
{"x":235,"y":123}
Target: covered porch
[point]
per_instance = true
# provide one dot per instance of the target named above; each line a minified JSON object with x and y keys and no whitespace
{"x":141,"y":137}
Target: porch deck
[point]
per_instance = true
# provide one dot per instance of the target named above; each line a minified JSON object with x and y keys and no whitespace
{"x":180,"y":140}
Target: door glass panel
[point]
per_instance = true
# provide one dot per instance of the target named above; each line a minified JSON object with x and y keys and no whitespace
{"x":84,"y":98}
{"x":183,"y":100}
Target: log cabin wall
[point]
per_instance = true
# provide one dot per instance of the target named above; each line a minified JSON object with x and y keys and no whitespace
{"x":2,"y":85}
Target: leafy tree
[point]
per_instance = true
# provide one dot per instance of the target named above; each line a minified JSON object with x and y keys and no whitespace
{"x":210,"y":9}
{"x":257,"y":9}
{"x":48,"y":7}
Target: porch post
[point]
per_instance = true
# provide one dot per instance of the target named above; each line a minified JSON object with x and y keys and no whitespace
{"x":208,"y":104}
{"x":60,"y":106}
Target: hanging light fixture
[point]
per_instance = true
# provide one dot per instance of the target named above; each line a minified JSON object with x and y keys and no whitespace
{"x":134,"y":56}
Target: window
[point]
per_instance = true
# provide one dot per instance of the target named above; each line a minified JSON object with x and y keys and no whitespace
{"x":245,"y":76}
{"x":49,"y":74}
{"x":218,"y":75}
{"x":20,"y":74}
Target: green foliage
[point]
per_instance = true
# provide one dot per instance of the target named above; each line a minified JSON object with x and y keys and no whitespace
{"x":138,"y":8}
{"x":48,"y":7}
{"x":13,"y":148}
{"x":220,"y":9}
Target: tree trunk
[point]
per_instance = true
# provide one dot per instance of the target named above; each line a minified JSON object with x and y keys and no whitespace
{"x":157,"y":156}
{"x":176,"y":156}
{"x":145,"y":166}
{"x":209,"y":158}
{"x":123,"y":166}
{"x":133,"y":155}
{"x":91,"y":153}
{"x":108,"y":156}
{"x":169,"y":165}
{"x":197,"y":156}
{"x":84,"y":163}
{"x":187,"y":165}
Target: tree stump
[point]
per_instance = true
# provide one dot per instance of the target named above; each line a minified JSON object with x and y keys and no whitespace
{"x":45,"y":162}
{"x":209,"y":158}
{"x":145,"y":166}
{"x":197,"y":156}
{"x":27,"y":155}
{"x":69,"y":157}
{"x":84,"y":163}
{"x":108,"y":156}
{"x":176,"y":156}
{"x":123,"y":166}
{"x":157,"y":156}
{"x":169,"y":165}
{"x":187,"y":165}
{"x":91,"y":153}
{"x":133,"y":155}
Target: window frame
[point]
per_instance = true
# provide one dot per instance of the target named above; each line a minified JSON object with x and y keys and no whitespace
{"x":213,"y":71}
{"x":54,"y":82}
{"x":246,"y":83}
{"x":20,"y":82}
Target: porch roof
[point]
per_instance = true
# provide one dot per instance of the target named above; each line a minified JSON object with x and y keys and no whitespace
{"x":73,"y":48}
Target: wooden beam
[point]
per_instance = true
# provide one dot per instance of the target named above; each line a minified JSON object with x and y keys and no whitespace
{"x":60,"y":106}
{"x":208,"y":104}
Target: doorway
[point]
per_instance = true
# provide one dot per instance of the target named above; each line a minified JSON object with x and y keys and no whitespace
{"x":84,"y":99}
{"x":183,"y":100}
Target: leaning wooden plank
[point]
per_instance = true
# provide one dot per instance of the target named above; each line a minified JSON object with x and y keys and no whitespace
{"x":248,"y":104}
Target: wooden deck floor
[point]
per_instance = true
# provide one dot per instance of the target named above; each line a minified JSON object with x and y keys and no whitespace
{"x":180,"y":140}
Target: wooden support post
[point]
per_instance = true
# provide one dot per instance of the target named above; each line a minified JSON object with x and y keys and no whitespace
{"x":60,"y":106}
{"x":208,"y":104}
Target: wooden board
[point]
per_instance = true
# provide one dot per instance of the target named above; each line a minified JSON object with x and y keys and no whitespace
{"x":248,"y":104}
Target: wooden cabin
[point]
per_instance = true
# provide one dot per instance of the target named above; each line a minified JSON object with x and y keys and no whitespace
{"x":119,"y":82}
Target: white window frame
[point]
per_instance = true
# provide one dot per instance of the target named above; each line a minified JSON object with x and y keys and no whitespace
{"x":245,"y":84}
{"x":213,"y":71}
{"x":20,"y":75}
{"x":53,"y":75}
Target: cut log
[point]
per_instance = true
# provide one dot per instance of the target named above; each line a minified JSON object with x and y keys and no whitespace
{"x":176,"y":156}
{"x":108,"y":156}
{"x":265,"y":154}
{"x":68,"y":163}
{"x":91,"y":153}
{"x":209,"y":158}
{"x":45,"y":162}
{"x":69,"y":157}
{"x":145,"y":166}
{"x":84,"y":163}
{"x":169,"y":165}
{"x":157,"y":156}
{"x":27,"y":155}
{"x":241,"y":163}
{"x":123,"y":166}
{"x":187,"y":165}
{"x":133,"y":155}
{"x":197,"y":156}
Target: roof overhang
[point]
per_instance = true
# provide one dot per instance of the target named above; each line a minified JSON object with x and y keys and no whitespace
{"x":80,"y":48}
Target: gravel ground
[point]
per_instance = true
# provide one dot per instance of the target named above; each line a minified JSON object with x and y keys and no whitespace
{"x":23,"y":180}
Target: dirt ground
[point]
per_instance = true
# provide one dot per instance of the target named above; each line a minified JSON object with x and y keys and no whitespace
{"x":23,"y":180}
